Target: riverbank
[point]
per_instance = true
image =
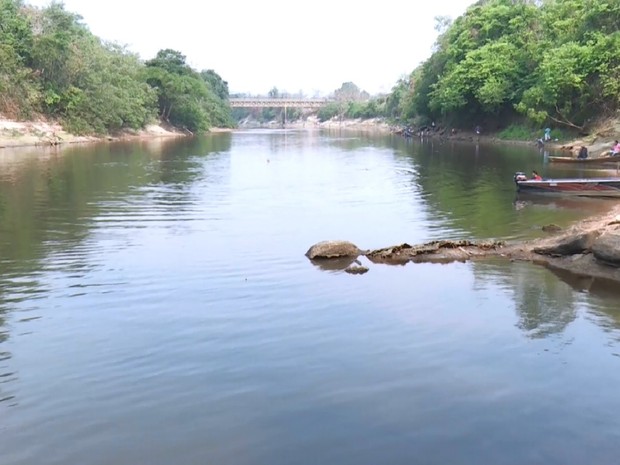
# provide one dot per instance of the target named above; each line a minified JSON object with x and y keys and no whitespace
{"x":46,"y":134}
{"x":312,"y":122}
{"x":599,"y":140}
{"x":598,"y":143}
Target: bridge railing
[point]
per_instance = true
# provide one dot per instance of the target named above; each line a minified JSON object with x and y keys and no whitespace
{"x":277,"y":103}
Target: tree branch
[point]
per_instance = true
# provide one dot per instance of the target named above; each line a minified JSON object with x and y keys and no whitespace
{"x":564,"y":120}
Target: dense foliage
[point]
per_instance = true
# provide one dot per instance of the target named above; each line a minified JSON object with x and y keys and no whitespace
{"x":52,"y":65}
{"x":550,"y":61}
{"x":187,"y":98}
{"x":349,"y":101}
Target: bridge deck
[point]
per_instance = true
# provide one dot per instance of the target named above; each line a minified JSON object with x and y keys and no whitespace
{"x":277,"y":103}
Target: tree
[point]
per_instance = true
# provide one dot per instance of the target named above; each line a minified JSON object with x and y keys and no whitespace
{"x":217,"y":84}
{"x":51,"y":63}
{"x":552,"y":61}
{"x":348,"y":92}
{"x":172,"y":61}
{"x":19,"y":89}
{"x":185,"y":98}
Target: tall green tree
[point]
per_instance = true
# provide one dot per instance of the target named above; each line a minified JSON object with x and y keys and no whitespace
{"x":51,"y":63}
{"x":185,"y":98}
{"x":217,"y":84}
{"x":550,"y":61}
{"x":19,"y":89}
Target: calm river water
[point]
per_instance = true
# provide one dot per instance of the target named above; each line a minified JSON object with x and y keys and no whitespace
{"x":156,"y":307}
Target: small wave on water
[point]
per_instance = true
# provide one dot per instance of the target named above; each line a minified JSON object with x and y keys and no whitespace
{"x":164,"y":311}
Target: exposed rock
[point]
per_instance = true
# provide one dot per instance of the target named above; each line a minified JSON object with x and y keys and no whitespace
{"x":585,"y":250}
{"x":551,"y":228}
{"x":606,"y":248}
{"x":333,"y":249}
{"x":356,"y":269}
{"x":568,"y":245}
{"x":435,"y":251}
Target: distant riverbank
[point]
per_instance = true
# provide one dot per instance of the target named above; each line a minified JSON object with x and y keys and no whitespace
{"x":49,"y":133}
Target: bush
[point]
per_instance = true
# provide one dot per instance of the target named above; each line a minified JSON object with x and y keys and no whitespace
{"x":519,"y":132}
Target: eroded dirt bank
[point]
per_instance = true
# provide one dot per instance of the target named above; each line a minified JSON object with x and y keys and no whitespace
{"x":46,"y":133}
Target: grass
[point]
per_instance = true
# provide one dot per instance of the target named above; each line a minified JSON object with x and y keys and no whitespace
{"x":519,"y":132}
{"x":527,"y":133}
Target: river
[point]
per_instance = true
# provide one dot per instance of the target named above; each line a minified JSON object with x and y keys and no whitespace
{"x":156,"y":307}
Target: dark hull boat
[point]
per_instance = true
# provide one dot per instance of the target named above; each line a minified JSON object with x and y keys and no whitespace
{"x":595,"y":187}
{"x":586,"y":161}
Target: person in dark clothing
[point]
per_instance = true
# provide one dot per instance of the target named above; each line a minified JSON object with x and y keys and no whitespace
{"x":583,"y":153}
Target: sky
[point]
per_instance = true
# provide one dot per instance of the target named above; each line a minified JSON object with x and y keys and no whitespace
{"x":308,"y":46}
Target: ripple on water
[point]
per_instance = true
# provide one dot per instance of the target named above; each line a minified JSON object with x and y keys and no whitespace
{"x":167,"y":313}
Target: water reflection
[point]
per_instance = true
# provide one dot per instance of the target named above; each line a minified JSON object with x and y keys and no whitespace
{"x":53,"y":201}
{"x":541,"y":313}
{"x":606,"y":293}
{"x":6,"y":375}
{"x":334,"y":264}
{"x":583,"y":205}
{"x":544,"y":305}
{"x":134,"y":326}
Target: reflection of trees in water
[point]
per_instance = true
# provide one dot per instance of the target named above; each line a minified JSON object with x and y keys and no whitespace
{"x":547,"y":301}
{"x":470,"y":189}
{"x":542,"y":309}
{"x":6,"y":375}
{"x":181,"y":163}
{"x":544,"y":304}
{"x":603,"y":297}
{"x":48,"y":208}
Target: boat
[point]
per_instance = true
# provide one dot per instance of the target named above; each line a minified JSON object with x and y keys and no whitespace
{"x":594,"y":187}
{"x":586,"y":161}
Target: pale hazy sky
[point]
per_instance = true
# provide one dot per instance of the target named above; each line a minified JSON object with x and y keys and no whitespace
{"x":311,"y":46}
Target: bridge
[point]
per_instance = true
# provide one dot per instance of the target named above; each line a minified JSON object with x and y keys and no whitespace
{"x":277,"y":103}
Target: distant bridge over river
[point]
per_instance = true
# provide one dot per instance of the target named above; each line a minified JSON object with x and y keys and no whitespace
{"x":277,"y":103}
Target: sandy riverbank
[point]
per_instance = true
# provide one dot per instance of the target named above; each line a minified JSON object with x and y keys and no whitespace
{"x":46,"y":133}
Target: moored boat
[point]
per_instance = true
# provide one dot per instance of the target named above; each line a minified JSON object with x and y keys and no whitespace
{"x":595,"y":187}
{"x":586,"y":161}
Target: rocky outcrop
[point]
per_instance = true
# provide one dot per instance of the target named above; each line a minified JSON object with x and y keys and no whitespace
{"x":590,"y":248}
{"x":569,"y":245}
{"x":606,"y":248}
{"x":333,"y":249}
{"x":437,"y":251}
{"x":356,"y":269}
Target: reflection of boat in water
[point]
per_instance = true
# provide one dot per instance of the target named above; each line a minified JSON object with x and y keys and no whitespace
{"x":613,"y":161}
{"x":558,"y":202}
{"x":595,"y":187}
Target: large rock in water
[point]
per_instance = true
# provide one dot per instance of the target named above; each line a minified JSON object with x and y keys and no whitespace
{"x":333,"y":249}
{"x":607,"y":248}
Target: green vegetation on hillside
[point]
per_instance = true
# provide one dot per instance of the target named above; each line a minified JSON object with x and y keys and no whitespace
{"x":505,"y":61}
{"x":52,"y":65}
